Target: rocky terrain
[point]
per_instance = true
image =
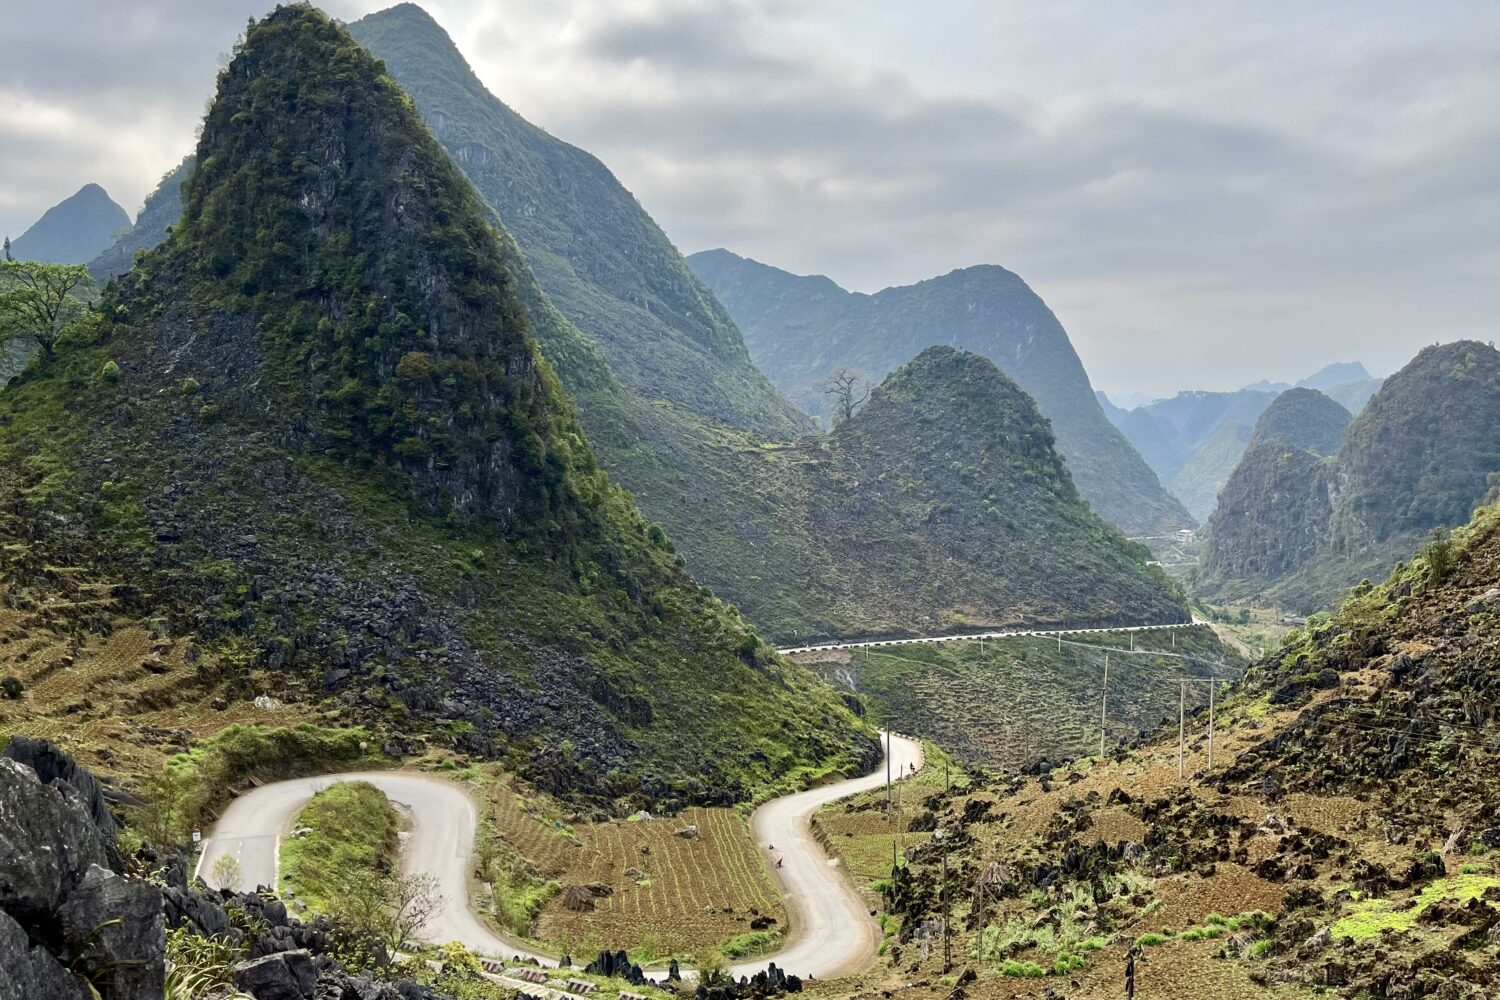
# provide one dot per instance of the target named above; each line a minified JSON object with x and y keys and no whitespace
{"x":801,"y":330}
{"x":1342,"y":840}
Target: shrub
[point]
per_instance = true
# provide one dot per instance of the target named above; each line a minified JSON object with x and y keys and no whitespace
{"x":11,"y":687}
{"x":110,"y":372}
{"x":415,"y":366}
{"x":1439,"y":554}
{"x":1023,"y":970}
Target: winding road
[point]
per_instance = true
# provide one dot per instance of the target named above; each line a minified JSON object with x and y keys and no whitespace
{"x":830,"y":930}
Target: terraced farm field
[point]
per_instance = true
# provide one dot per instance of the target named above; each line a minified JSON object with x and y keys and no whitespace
{"x":1002,"y":703}
{"x":654,"y":890}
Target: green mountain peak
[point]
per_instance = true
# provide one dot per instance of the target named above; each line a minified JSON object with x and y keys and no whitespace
{"x":313,"y":429}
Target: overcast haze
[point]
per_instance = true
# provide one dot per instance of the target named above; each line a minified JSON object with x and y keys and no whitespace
{"x":1207,"y":194}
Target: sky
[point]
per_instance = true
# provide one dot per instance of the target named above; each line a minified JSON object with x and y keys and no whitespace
{"x":1206,"y":193}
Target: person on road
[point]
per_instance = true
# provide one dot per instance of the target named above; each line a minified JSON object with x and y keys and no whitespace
{"x":1130,"y":974}
{"x":778,"y":862}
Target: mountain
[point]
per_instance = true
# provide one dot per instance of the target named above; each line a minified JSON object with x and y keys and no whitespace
{"x":802,"y":329}
{"x":1269,"y":515}
{"x":314,"y":432}
{"x":1271,"y":520}
{"x":1113,"y":412}
{"x":1181,"y":424}
{"x":162,"y":210}
{"x":734,"y":501}
{"x":73,"y":230}
{"x":1338,"y":373}
{"x":1298,"y":528}
{"x":601,"y":259}
{"x":1330,"y":830}
{"x":1201,"y":477}
{"x":1304,"y":418}
{"x":1353,"y":396}
{"x":1420,"y":452}
{"x":963,"y":504}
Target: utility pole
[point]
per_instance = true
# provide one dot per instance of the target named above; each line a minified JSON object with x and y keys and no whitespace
{"x":1104,"y":708}
{"x":887,"y":771}
{"x":1211,"y":685}
{"x":1181,"y":728}
{"x":947,"y":955}
{"x":1132,"y":640}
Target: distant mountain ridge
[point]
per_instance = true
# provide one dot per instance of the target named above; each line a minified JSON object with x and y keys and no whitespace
{"x":1192,"y":440}
{"x":74,"y":230}
{"x":800,"y":329}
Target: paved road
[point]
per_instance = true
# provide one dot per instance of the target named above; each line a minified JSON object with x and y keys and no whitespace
{"x":969,"y":637}
{"x":831,"y":931}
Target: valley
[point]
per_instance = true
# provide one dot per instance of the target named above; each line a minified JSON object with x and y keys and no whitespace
{"x":422,"y":580}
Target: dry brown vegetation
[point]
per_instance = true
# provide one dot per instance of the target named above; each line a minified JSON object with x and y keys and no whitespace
{"x":658,"y":889}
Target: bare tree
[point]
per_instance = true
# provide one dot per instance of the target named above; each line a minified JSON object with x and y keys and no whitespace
{"x":226,"y":872}
{"x":385,"y":906}
{"x":848,"y":389}
{"x":38,"y":300}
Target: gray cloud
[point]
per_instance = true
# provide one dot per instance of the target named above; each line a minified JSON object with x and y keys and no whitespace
{"x":1206,"y":193}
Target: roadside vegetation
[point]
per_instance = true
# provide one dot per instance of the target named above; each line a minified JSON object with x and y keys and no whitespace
{"x":342,"y":859}
{"x":348,"y":830}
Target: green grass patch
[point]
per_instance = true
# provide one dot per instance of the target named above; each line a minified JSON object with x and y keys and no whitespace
{"x":751,"y":944}
{"x":1372,"y":917}
{"x":350,"y":826}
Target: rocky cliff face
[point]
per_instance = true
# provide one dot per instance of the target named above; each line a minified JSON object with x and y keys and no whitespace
{"x":74,"y":926}
{"x":1420,"y":452}
{"x":68,"y":922}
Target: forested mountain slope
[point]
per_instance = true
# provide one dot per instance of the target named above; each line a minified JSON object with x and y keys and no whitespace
{"x":733,"y":502}
{"x":603,"y":261}
{"x":313,"y":429}
{"x":941,"y":506}
{"x":1304,"y":418}
{"x":1420,"y":455}
{"x":162,"y":210}
{"x":800,"y":330}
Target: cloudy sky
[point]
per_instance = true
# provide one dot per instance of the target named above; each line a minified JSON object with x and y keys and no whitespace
{"x":1207,"y":193}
